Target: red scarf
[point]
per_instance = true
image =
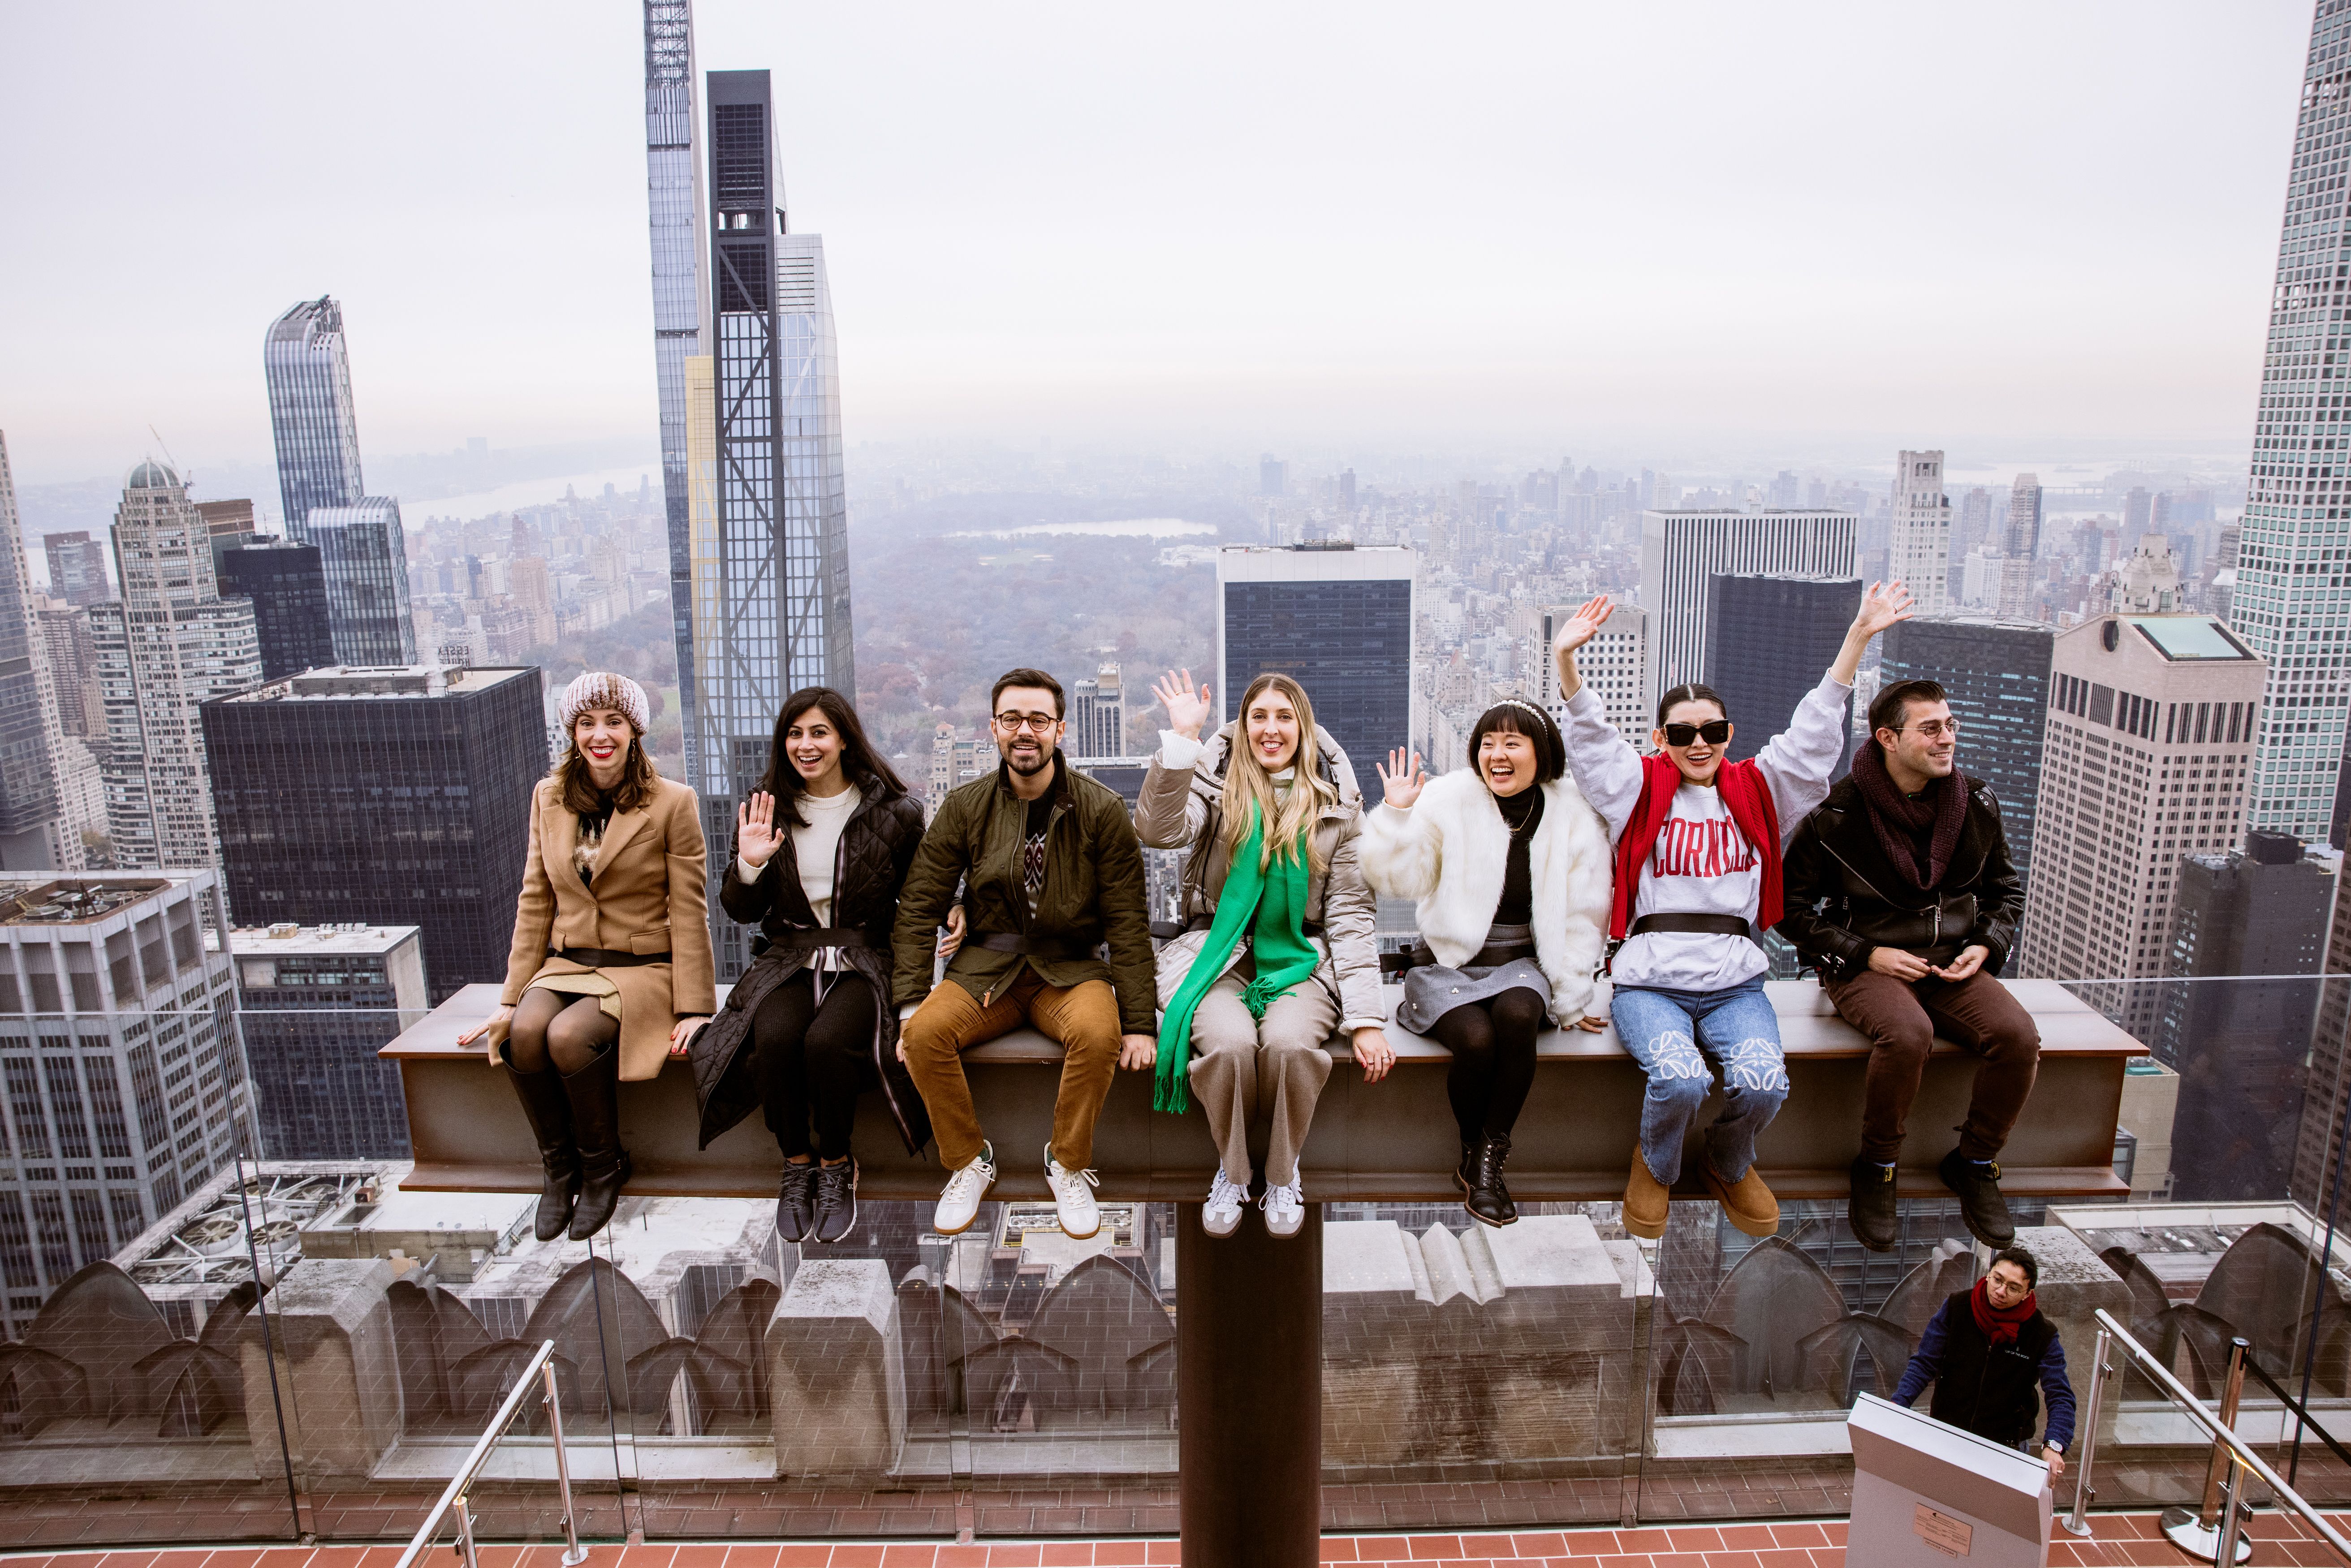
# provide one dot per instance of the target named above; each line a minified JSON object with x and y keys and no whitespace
{"x":2000,"y":1323}
{"x":1744,"y":791}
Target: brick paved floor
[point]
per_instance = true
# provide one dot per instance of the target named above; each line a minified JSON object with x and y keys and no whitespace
{"x":2122,"y":1540}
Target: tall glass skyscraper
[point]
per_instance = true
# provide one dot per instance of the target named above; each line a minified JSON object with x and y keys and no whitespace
{"x":681,"y":302}
{"x":28,"y":724}
{"x":309,"y":378}
{"x":365,"y":558}
{"x":770,"y":556}
{"x":1338,"y":618}
{"x":2293,"y":591}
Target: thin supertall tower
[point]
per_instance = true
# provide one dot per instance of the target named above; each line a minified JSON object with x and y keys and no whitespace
{"x":317,"y":438}
{"x":2291,"y":588}
{"x":681,"y":305}
{"x":770,"y":553}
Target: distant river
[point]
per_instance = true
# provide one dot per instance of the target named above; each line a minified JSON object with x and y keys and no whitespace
{"x":1132,"y":528}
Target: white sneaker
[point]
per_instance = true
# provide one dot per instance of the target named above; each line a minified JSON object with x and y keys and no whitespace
{"x":966,"y":1190}
{"x":1221,"y":1214}
{"x":1285,"y":1208}
{"x":1073,"y":1198}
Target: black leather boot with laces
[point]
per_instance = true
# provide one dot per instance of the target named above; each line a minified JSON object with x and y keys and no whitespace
{"x":1485,"y":1197}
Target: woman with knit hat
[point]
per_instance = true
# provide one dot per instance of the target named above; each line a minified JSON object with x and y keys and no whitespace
{"x":611,"y":968}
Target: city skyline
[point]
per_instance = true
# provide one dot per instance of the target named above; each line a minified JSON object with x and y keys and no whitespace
{"x":1081,"y":330}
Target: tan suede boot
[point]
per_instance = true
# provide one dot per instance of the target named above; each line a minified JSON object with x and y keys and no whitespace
{"x":1645,"y":1201}
{"x":1748,"y":1201}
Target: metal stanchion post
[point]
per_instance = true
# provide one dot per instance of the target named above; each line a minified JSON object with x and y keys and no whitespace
{"x":465,"y":1532}
{"x":2198,"y":1533}
{"x":2078,"y":1521}
{"x":574,"y":1553}
{"x":2233,"y":1517}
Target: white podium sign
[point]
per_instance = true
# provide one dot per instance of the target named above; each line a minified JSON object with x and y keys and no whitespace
{"x":1925,"y":1495}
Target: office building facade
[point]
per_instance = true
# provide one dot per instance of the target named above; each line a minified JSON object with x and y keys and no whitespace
{"x":287,"y":585}
{"x":1339,"y":620}
{"x":72,"y":658}
{"x":2242,"y":1046}
{"x":1680,"y":550}
{"x":1918,"y":534}
{"x":123,"y":1088}
{"x":416,"y":780}
{"x":1098,"y":716}
{"x":308,"y":371}
{"x":317,"y":1003}
{"x":1614,"y":664}
{"x":76,"y":567}
{"x":170,"y":642}
{"x":1769,"y":640}
{"x":363,"y":557}
{"x":1996,"y":675}
{"x":770,"y":550}
{"x":2319,"y":1140}
{"x":681,"y":305}
{"x":29,"y":726}
{"x":2020,"y":594}
{"x":2149,"y":739}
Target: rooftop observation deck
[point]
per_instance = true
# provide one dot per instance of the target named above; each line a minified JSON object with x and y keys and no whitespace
{"x":1389,"y":1142}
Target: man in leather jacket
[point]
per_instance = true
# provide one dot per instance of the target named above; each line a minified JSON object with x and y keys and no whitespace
{"x":1900,"y":892}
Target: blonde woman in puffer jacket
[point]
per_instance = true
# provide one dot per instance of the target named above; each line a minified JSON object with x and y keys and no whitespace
{"x":1278,"y":946}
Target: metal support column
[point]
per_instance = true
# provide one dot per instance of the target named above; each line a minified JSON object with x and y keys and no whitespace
{"x":2205,"y":1533}
{"x":1249,"y":1354}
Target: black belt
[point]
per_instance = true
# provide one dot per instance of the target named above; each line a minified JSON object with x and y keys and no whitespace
{"x":606,"y":958}
{"x":806,"y":941}
{"x":1695,"y":925}
{"x":1032,"y":946}
{"x":1492,"y":955}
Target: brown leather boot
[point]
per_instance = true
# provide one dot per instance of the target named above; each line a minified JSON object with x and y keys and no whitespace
{"x":1645,"y":1201}
{"x":1748,"y":1201}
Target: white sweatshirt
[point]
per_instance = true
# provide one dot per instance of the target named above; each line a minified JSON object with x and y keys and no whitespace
{"x":1702,"y":863}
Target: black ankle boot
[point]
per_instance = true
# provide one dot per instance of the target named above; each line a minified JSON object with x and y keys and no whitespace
{"x":1486,"y":1199}
{"x":1871,"y":1212}
{"x":595,"y":1094}
{"x":549,"y":1111}
{"x":1980,"y":1203}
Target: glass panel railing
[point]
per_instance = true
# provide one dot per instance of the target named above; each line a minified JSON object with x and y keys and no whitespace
{"x":242,"y":1346}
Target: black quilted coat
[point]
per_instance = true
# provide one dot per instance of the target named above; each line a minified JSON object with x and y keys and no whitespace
{"x":877,"y":845}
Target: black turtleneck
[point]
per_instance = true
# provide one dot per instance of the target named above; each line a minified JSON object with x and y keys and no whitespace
{"x":1522,"y":814}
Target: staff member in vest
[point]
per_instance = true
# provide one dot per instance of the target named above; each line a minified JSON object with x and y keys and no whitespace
{"x":815,"y":1004}
{"x":1984,"y":1350}
{"x":1901,"y":893}
{"x":1051,"y":870}
{"x":1280,"y":940}
{"x":1698,"y":841}
{"x":610,"y":948}
{"x":1510,"y":867}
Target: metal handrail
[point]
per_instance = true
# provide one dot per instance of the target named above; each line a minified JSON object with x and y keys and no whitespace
{"x":2239,"y":1457}
{"x":542,"y":1370}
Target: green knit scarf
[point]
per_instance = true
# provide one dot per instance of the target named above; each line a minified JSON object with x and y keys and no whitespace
{"x":1276,"y":905}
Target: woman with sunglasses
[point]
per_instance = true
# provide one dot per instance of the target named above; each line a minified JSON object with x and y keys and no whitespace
{"x":1699,"y":843}
{"x":1510,"y":867}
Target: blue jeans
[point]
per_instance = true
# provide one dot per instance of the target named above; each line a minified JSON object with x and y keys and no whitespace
{"x":1675,"y":1035}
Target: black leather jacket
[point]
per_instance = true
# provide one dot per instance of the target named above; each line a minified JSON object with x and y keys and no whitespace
{"x":1843,"y":897}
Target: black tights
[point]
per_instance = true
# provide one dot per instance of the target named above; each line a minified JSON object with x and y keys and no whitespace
{"x":813,"y":1060}
{"x":1493,"y":1047}
{"x":559,"y":1030}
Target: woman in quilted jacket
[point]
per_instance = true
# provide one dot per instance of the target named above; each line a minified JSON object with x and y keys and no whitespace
{"x":822,"y":848}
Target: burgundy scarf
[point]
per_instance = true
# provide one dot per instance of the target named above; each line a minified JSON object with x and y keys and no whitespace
{"x":2000,"y":1323}
{"x":1942,"y":806}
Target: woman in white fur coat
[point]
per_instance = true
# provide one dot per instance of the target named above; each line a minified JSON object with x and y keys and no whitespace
{"x":1511,"y":869}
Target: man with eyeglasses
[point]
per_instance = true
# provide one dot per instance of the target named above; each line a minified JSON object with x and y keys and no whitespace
{"x":1900,"y":892}
{"x":1051,"y":870}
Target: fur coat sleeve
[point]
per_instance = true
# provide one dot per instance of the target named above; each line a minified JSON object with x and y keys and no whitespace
{"x":1450,"y":852}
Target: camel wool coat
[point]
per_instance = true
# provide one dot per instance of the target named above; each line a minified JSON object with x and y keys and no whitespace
{"x":648,"y":896}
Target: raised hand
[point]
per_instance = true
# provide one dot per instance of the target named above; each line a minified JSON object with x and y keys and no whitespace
{"x":1187,"y":708}
{"x":1584,"y":624}
{"x":1402,"y":779}
{"x":756,"y":834}
{"x":1882,"y":606}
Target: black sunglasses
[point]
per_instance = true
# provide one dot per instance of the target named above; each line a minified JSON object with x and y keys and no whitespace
{"x":1716,"y":730}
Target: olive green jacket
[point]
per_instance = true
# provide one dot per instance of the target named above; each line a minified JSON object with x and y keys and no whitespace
{"x":1093,"y":893}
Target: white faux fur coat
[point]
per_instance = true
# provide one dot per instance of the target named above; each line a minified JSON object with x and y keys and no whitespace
{"x":1450,"y":852}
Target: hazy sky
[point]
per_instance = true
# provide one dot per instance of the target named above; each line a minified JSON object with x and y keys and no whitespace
{"x":1580,"y":225}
